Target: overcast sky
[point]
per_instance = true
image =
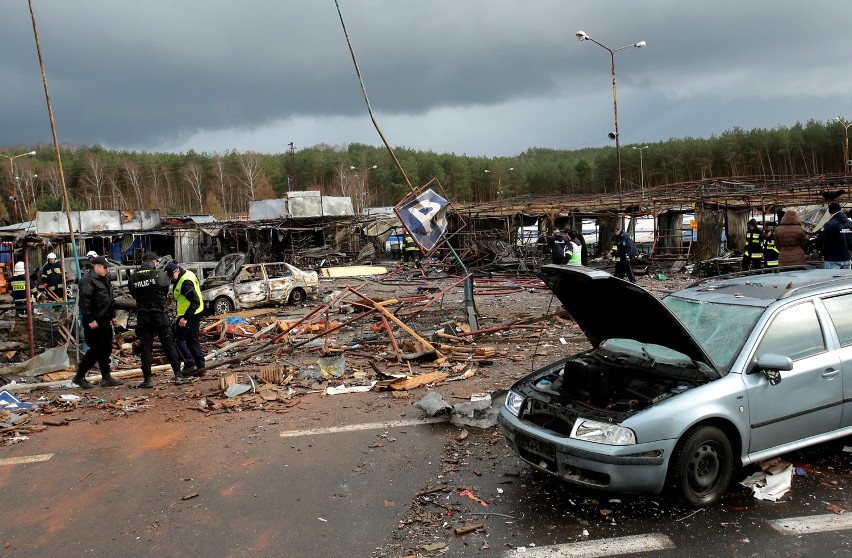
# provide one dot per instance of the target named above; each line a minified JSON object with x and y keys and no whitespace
{"x":475,"y":77}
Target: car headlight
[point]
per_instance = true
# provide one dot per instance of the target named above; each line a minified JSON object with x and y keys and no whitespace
{"x":602,"y":432}
{"x":514,"y":402}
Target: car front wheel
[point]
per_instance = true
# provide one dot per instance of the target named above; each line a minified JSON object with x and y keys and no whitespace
{"x":222,"y":306}
{"x":297,"y":296}
{"x":701,"y":467}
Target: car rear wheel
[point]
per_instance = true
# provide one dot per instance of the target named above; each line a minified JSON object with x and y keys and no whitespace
{"x":297,"y":296}
{"x":222,"y":305}
{"x":701,"y":466}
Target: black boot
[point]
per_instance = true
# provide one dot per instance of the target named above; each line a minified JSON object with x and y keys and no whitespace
{"x":147,"y":383}
{"x":179,"y":379}
{"x":80,"y":380}
{"x":108,"y":381}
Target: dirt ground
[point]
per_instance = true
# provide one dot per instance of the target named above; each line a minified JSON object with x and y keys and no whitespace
{"x":427,"y":303}
{"x":288,"y":387}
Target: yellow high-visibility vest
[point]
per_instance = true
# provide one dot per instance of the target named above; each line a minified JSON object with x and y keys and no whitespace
{"x":182,"y":301}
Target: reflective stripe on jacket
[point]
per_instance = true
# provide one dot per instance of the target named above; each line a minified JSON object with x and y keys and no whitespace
{"x":770,"y":252}
{"x":754,"y":244}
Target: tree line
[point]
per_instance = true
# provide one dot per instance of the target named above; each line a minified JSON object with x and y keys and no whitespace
{"x":223,"y":184}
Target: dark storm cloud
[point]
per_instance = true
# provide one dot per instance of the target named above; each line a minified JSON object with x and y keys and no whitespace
{"x":195,"y":74}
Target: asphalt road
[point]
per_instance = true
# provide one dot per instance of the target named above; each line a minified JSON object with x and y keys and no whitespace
{"x":362,"y":475}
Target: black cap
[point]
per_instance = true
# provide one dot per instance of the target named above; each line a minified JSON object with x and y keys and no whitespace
{"x":100,"y":260}
{"x":170,"y":268}
{"x":752,"y":222}
{"x":150,"y":256}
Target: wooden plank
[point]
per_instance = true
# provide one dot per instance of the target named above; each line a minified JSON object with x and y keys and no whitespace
{"x":418,"y":381}
{"x":353,"y":271}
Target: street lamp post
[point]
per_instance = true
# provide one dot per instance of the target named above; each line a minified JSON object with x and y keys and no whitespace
{"x":847,"y":164}
{"x":581,"y":36}
{"x":500,"y":180}
{"x":641,"y":169}
{"x":365,"y":192}
{"x":291,"y":176}
{"x":14,"y":196}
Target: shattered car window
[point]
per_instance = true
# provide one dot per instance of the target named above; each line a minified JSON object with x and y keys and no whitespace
{"x":720,"y":329}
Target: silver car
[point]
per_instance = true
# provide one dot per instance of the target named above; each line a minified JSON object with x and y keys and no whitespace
{"x":677,"y":393}
{"x":236,"y":285}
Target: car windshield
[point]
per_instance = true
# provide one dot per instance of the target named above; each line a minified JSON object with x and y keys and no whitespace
{"x":720,"y":329}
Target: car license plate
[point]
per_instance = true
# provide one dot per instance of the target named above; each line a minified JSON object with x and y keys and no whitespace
{"x":535,"y":445}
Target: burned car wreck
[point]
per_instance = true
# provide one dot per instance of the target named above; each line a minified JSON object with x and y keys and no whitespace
{"x":677,"y":393}
{"x":237,"y":285}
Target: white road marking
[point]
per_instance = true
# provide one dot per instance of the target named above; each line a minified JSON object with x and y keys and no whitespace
{"x":358,"y":427}
{"x":25,"y":459}
{"x":811,"y":524}
{"x":593,"y":549}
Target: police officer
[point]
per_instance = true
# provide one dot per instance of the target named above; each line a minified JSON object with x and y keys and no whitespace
{"x":149,"y":286}
{"x":51,"y":277}
{"x":96,"y":306}
{"x":558,"y":244}
{"x":190,"y":307}
{"x":623,"y":252}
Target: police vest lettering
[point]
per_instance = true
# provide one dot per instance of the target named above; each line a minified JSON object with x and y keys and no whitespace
{"x":141,"y":284}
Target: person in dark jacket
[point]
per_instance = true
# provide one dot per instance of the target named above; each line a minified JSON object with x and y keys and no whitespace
{"x":770,"y":248}
{"x":96,"y":306}
{"x":835,"y":239}
{"x":791,"y":239}
{"x":51,"y":277}
{"x":18,"y":286}
{"x":149,"y":286}
{"x":190,"y":307}
{"x":410,"y":251}
{"x":623,"y":253}
{"x":557,"y":244}
{"x":753,"y":253}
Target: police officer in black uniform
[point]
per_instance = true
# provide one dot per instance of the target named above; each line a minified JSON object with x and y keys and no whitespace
{"x":149,"y":286}
{"x":98,"y":310}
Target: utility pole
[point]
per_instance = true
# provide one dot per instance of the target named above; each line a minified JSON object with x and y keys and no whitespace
{"x":291,"y":176}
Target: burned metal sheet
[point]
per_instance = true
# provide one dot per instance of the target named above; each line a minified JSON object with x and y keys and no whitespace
{"x":262,"y":210}
{"x":305,"y":207}
{"x":56,"y":222}
{"x":337,"y":206}
{"x":301,"y":205}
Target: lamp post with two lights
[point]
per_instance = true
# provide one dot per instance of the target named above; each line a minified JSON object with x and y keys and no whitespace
{"x":847,"y":163}
{"x":582,"y":36}
{"x":364,"y":189}
{"x":14,"y":177}
{"x":499,"y":193}
{"x":641,"y":169}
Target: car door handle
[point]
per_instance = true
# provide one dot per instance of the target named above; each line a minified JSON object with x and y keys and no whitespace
{"x":829,"y":374}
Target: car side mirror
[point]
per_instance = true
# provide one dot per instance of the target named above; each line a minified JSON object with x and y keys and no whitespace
{"x":771,"y":365}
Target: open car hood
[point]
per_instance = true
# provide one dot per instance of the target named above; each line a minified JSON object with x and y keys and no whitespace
{"x":607,"y":308}
{"x":229,"y":266}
